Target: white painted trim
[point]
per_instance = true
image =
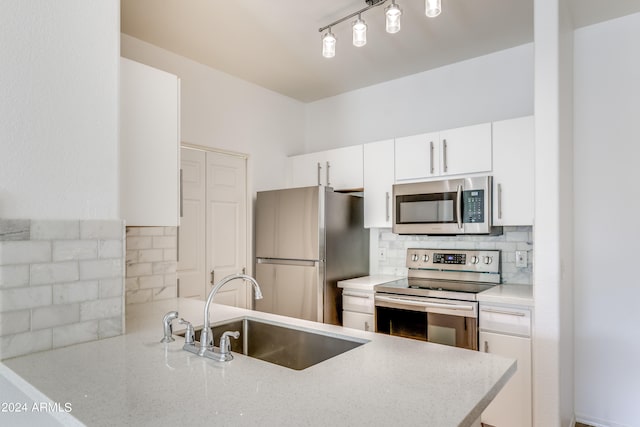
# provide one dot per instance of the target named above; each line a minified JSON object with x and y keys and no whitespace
{"x":597,"y":422}
{"x":213,"y":150}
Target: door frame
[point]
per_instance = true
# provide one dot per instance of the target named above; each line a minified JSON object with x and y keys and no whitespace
{"x":249,"y":202}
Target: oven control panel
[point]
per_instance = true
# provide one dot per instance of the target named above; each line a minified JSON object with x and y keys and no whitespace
{"x":454,"y":260}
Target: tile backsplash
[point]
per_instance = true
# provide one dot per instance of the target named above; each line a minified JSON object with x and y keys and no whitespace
{"x":61,"y":283}
{"x":511,"y":240}
{"x":151,"y":259}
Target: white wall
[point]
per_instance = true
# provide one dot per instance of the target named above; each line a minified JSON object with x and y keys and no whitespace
{"x":59,"y":109}
{"x":224,"y":112}
{"x":607,"y":202}
{"x":491,"y":87}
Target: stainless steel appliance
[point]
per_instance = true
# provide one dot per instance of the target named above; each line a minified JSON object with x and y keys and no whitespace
{"x":307,"y":239}
{"x":451,"y":206}
{"x":438,"y":300}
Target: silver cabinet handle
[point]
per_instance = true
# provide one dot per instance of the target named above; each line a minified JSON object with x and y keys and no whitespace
{"x":366,"y":326}
{"x":431,"y":156}
{"x":499,"y":201}
{"x":459,"y":206}
{"x":349,"y":294}
{"x":444,"y":154}
{"x":181,"y":196}
{"x":328,"y":174}
{"x":213,"y":277}
{"x":387,"y":206}
{"x":508,"y":313}
{"x":486,"y":346}
{"x":319,"y":169}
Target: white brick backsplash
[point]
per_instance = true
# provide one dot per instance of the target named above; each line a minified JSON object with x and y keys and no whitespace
{"x":24,"y":252}
{"x":101,"y":309}
{"x":75,"y":292}
{"x":14,"y":275}
{"x":150,"y":231}
{"x":170,"y":254}
{"x":133,"y":231}
{"x":110,"y":288}
{"x":75,"y":334}
{"x":57,"y":272}
{"x":21,"y":298}
{"x":147,"y":282}
{"x":131,"y":284}
{"x":54,"y":315}
{"x":135,"y":270}
{"x":140,"y":242}
{"x":110,"y":327}
{"x":164,"y":267}
{"x":58,"y":280}
{"x":165,"y":293}
{"x":55,"y":230}
{"x":15,"y":322}
{"x":25,"y":343}
{"x":67,"y":250}
{"x":110,"y":248}
{"x":101,"y":269}
{"x":131,"y":256}
{"x":165,"y":242}
{"x":139,"y":296}
{"x":151,"y":255}
{"x":170,"y":231}
{"x":170,"y":279}
{"x":104,"y":230}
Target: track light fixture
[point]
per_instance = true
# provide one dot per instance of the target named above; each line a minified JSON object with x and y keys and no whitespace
{"x":359,"y":27}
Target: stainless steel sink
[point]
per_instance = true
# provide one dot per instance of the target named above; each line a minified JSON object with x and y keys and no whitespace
{"x":283,"y":345}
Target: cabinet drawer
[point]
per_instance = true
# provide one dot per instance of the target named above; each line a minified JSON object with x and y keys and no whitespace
{"x":506,"y":320}
{"x":361,"y":321}
{"x":360,"y":302}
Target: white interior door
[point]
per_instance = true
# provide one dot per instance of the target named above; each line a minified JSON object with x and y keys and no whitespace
{"x":192,"y":273}
{"x":226,"y":225}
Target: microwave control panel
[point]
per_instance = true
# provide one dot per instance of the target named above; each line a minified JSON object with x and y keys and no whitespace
{"x":473,"y":206}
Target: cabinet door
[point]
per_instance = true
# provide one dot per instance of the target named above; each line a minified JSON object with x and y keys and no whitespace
{"x":513,"y":157}
{"x":378,"y":183}
{"x":512,"y":406}
{"x":416,"y":157}
{"x":149,"y":145}
{"x":361,"y":321}
{"x":305,"y":170}
{"x":465,"y":150}
{"x":343,"y":168}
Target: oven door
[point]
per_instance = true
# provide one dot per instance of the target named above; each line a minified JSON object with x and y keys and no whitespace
{"x":448,"y":322}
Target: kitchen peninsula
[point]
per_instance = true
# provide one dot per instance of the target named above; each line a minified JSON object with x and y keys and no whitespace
{"x":133,"y":379}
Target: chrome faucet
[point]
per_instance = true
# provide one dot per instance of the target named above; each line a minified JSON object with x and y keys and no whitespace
{"x":206,"y":347}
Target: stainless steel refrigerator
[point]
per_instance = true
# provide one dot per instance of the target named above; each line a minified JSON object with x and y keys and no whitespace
{"x":307,"y":239}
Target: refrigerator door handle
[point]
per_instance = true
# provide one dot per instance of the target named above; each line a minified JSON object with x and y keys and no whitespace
{"x":277,"y":261}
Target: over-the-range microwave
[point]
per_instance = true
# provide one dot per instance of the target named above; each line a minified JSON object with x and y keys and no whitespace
{"x":449,"y":206}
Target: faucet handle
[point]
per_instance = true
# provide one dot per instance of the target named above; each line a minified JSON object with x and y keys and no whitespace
{"x":189,"y":335}
{"x":225,"y":344}
{"x":167,"y":328}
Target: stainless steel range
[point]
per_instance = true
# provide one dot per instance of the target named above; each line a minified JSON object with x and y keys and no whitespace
{"x":438,"y":300}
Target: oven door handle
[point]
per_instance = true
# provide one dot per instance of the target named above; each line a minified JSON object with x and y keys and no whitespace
{"x":425,"y":304}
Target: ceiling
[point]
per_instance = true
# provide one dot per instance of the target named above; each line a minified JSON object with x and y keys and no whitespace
{"x":276,"y":44}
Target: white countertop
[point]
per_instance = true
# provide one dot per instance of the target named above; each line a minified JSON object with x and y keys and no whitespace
{"x":366,"y":283}
{"x":508,"y":294}
{"x":133,"y":379}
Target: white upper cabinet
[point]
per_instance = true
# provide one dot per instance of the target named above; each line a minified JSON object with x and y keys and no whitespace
{"x":378,"y":183}
{"x":513,"y":172}
{"x":417,"y":156}
{"x":465,"y":150}
{"x":340,"y":168}
{"x":149,"y":145}
{"x":451,"y":152}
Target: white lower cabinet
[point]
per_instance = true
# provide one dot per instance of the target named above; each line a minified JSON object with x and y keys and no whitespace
{"x":357,"y":309}
{"x":364,"y":322}
{"x":505,"y":330}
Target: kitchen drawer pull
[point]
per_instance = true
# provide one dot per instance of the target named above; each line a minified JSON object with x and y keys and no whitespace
{"x":486,"y":347}
{"x":319,"y":170}
{"x":431,"y":157}
{"x":444,"y":154}
{"x":349,"y":294}
{"x":328,"y":174}
{"x":509,"y":313}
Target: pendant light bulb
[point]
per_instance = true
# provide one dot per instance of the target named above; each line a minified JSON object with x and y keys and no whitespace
{"x":393,"y":13}
{"x":328,"y":44}
{"x":359,"y":32}
{"x":432,"y":8}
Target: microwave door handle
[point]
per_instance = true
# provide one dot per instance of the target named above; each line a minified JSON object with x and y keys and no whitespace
{"x":459,"y":206}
